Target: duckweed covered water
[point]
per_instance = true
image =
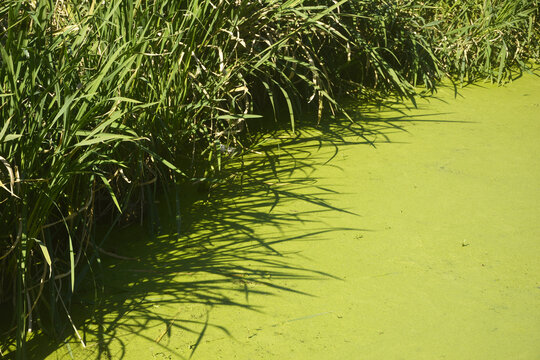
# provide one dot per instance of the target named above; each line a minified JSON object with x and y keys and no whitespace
{"x":425,"y":246}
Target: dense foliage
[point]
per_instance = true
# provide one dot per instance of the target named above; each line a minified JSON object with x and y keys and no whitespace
{"x":103,"y":103}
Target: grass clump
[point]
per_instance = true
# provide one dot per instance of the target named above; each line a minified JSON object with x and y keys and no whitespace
{"x":486,"y":39}
{"x":101,"y":101}
{"x":104,"y":103}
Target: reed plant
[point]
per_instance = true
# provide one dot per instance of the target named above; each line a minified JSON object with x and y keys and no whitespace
{"x":100,"y":98}
{"x":102,"y":103}
{"x":389,"y":47}
{"x":485,"y":38}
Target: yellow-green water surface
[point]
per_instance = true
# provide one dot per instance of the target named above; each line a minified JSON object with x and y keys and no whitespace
{"x":426,"y":246}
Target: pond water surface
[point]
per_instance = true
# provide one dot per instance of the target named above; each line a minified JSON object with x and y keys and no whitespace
{"x":424,"y":244}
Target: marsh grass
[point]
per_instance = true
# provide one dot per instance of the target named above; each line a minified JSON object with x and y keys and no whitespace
{"x":105,"y":104}
{"x":486,"y":39}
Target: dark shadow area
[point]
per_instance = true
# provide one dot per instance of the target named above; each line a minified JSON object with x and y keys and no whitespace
{"x":230,"y":245}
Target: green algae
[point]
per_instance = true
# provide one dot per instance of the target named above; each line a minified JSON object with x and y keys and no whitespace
{"x":422,"y":246}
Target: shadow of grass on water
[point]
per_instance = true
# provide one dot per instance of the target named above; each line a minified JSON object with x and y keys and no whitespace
{"x":146,"y":289}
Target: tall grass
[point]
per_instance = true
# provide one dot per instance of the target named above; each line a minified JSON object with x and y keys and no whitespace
{"x":485,"y":39}
{"x":104,"y":102}
{"x":99,"y":99}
